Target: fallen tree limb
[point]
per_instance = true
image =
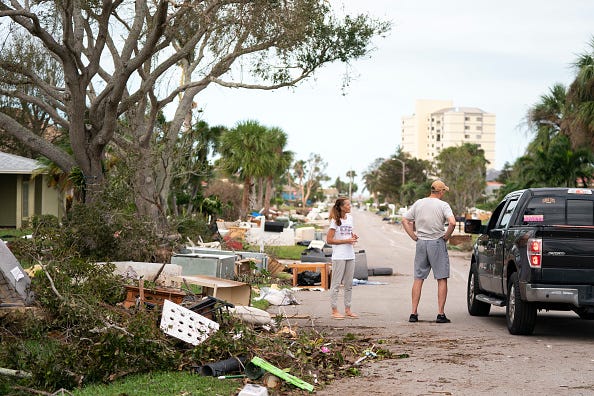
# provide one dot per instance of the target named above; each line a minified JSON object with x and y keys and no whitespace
{"x":15,"y":373}
{"x":38,"y":392}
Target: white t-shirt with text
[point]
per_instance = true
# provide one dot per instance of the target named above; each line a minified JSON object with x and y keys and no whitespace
{"x":344,"y":251}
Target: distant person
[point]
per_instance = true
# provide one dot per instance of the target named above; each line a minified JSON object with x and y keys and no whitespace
{"x":342,"y":238}
{"x":427,"y":217}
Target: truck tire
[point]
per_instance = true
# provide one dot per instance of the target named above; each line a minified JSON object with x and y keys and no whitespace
{"x":475,"y":307}
{"x":520,"y":315}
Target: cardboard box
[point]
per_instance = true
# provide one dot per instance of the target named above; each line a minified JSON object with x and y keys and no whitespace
{"x":237,"y":293}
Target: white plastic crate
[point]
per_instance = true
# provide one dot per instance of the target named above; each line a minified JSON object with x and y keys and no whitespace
{"x":188,"y":326}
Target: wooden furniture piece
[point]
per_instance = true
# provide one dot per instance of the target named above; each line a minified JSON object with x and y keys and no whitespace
{"x":136,"y":295}
{"x":323,"y":268}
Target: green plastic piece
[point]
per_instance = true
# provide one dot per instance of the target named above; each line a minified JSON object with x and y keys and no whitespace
{"x":281,"y":374}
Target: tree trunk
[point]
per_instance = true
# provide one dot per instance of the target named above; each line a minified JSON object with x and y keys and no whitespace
{"x":245,"y":198}
{"x":147,"y":197}
{"x":267,"y":194}
{"x":261,"y":192}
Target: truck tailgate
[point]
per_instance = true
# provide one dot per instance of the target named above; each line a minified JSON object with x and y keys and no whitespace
{"x":568,"y":255}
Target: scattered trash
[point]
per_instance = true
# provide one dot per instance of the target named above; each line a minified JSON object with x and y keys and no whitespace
{"x":251,"y":315}
{"x":325,"y":349}
{"x":277,"y":297}
{"x":308,"y":278}
{"x":367,"y":353}
{"x":223,"y":367}
{"x":253,"y":372}
{"x":231,"y":376}
{"x":253,"y":390}
{"x":280,"y":373}
{"x":366,"y":282}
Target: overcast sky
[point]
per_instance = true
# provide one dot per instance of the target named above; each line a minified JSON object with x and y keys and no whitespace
{"x":499,"y":56}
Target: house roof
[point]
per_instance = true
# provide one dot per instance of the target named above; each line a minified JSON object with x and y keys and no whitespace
{"x":14,"y":164}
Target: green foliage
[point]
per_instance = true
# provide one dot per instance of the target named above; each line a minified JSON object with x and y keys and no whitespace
{"x":80,"y":335}
{"x":463,"y":168}
{"x":101,"y":232}
{"x":292,"y":252}
{"x":384,"y":178}
{"x":229,"y":195}
{"x":193,"y":227}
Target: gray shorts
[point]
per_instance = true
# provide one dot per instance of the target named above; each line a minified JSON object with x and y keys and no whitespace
{"x":432,"y":255}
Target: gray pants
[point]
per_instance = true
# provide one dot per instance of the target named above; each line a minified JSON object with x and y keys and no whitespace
{"x":342,"y":273}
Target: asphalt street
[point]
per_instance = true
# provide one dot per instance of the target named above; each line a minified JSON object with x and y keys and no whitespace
{"x":387,"y":246}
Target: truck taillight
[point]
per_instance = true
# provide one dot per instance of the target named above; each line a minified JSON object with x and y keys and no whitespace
{"x":535,"y":252}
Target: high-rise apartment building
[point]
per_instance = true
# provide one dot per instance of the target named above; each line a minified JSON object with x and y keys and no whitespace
{"x":437,"y":125}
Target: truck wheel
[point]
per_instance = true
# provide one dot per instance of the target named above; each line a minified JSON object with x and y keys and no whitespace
{"x":520,"y":315}
{"x":475,"y":307}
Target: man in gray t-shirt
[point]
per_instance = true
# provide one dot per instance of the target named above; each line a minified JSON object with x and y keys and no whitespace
{"x":428,"y":216}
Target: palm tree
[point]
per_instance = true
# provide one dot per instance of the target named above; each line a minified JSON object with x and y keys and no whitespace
{"x":244,"y":151}
{"x":580,"y":97}
{"x":557,"y":155}
{"x":193,"y":165}
{"x":279,"y":161}
{"x":548,"y":117}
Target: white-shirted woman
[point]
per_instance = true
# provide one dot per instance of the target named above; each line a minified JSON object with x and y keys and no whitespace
{"x":342,"y":238}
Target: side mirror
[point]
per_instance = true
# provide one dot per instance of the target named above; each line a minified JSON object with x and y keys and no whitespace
{"x":472,"y":226}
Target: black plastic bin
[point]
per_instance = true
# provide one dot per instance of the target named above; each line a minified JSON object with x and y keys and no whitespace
{"x":274,"y":226}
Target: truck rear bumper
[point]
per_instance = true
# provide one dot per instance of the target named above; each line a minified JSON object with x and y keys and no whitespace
{"x":576,"y":295}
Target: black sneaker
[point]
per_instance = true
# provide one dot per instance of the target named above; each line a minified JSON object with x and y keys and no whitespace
{"x":413,"y":318}
{"x":442,"y":319}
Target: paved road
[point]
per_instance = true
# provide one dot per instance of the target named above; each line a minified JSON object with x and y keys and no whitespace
{"x":468,"y":356}
{"x":388,"y":246}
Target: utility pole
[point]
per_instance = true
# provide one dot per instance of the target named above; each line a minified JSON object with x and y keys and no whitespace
{"x":351,"y":175}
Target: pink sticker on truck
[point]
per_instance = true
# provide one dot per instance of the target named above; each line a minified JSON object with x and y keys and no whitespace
{"x":533,"y":218}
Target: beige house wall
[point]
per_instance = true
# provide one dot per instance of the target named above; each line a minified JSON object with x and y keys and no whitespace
{"x":51,"y":201}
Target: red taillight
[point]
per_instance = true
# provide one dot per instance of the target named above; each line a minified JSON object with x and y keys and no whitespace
{"x":535,"y":252}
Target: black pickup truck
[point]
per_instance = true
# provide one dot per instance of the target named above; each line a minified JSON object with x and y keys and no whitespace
{"x":535,"y":253}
